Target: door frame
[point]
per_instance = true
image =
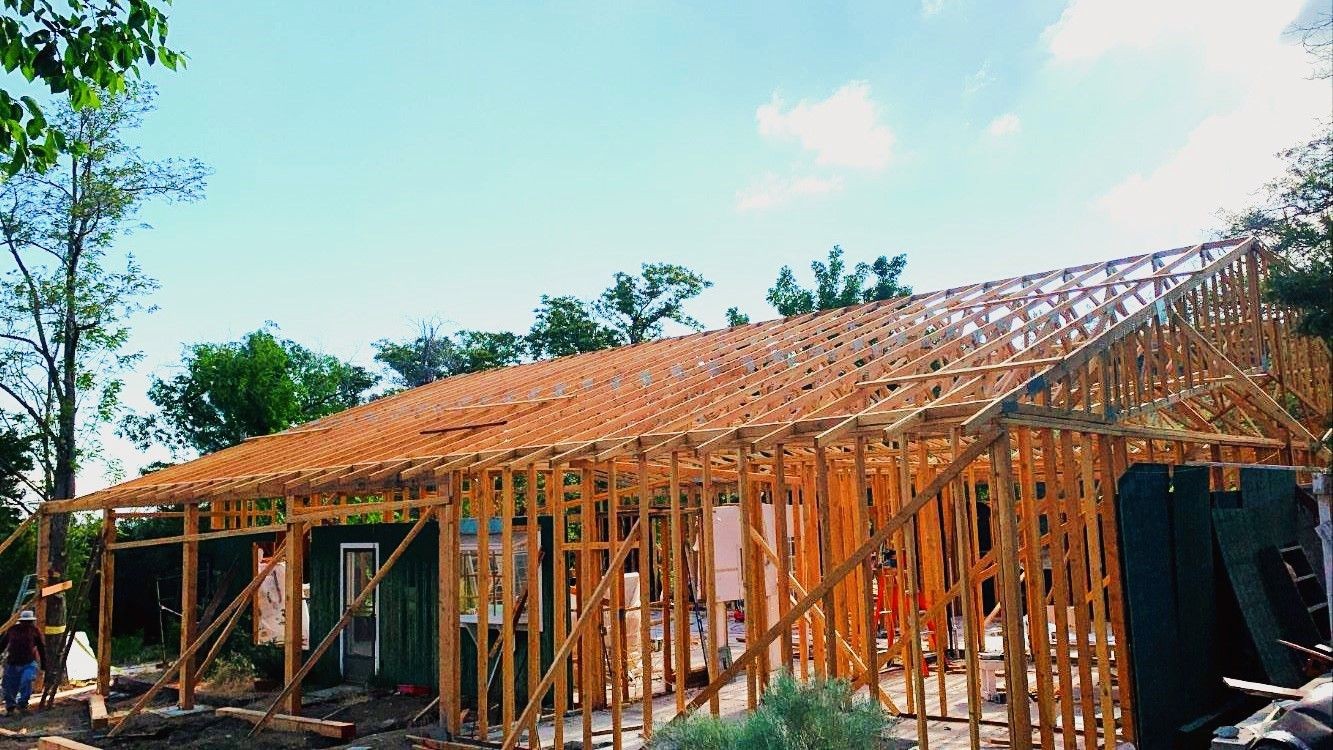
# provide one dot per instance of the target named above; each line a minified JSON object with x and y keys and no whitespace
{"x":343,"y":548}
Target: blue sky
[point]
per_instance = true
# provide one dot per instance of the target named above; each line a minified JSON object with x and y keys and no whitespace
{"x":434,"y":160}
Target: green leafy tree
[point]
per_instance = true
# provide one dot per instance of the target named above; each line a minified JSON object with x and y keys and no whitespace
{"x":1295,"y":220}
{"x":837,"y":286}
{"x":66,"y":300}
{"x":637,"y":306}
{"x":487,"y":350}
{"x":16,"y":468}
{"x":84,"y":49}
{"x":420,"y":360}
{"x":736,"y":318}
{"x":567,"y":325}
{"x":228,"y":392}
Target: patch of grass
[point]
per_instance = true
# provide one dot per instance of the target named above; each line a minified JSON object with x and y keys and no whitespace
{"x":793,"y":715}
{"x":231,"y":673}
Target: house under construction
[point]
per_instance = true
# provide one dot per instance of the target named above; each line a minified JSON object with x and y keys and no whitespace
{"x":919,"y":495}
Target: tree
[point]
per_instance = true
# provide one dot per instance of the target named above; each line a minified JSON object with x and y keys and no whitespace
{"x":235,"y":390}
{"x":835,"y":286}
{"x":1295,"y":220}
{"x":65,"y":304}
{"x":487,"y":350}
{"x":636,"y":306}
{"x":567,"y":325}
{"x":736,"y":318}
{"x":16,"y":467}
{"x":85,"y":49}
{"x":424,"y":359}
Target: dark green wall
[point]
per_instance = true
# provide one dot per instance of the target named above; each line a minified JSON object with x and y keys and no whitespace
{"x":407,"y":608}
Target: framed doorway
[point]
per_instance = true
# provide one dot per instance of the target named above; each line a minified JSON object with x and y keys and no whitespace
{"x":359,"y":642}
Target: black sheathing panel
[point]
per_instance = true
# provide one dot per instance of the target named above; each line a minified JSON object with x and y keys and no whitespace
{"x":1266,"y":486}
{"x":1148,"y":580}
{"x":1196,"y":610}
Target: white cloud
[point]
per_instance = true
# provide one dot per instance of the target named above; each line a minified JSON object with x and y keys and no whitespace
{"x":843,"y":130}
{"x":1241,"y":48}
{"x":771,"y":190}
{"x":931,"y":7}
{"x":1006,"y":124}
{"x":978,"y":80}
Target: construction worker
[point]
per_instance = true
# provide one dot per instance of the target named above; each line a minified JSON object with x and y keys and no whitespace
{"x":26,"y":655}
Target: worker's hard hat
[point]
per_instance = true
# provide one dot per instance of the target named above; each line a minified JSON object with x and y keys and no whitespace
{"x":27,"y":616}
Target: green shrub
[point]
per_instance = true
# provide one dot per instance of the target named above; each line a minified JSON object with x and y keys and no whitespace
{"x":815,"y":715}
{"x":231,"y":672}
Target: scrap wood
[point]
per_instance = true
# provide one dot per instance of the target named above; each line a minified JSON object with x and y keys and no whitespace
{"x":97,"y":711}
{"x":61,"y":743}
{"x":1272,"y":692}
{"x":338,"y":730}
{"x":55,"y":588}
{"x":1313,"y":653}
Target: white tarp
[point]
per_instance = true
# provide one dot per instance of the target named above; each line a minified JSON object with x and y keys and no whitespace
{"x":82,"y":662}
{"x":269,"y":609}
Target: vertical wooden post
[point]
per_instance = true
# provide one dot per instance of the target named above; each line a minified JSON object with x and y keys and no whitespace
{"x":753,"y":567}
{"x":781,"y":534}
{"x":825,"y":560}
{"x":482,"y":491}
{"x":555,"y":500}
{"x":862,"y":516}
{"x":1035,"y":589}
{"x":447,"y":612}
{"x":106,"y":602}
{"x":645,"y":596}
{"x":535,"y":606}
{"x":617,"y":660}
{"x":712,"y":648}
{"x":293,"y":625}
{"x":1011,"y":601}
{"x":971,"y":641}
{"x":507,"y":595}
{"x":190,"y":604}
{"x":682,"y":628}
{"x":589,"y":653}
{"x":914,"y":661}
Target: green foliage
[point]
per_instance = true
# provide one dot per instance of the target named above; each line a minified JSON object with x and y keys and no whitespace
{"x":697,"y":732}
{"x":131,"y":649}
{"x":418,"y":361}
{"x":231,"y":391}
{"x":793,"y":715}
{"x":85,"y":49}
{"x":736,"y":318}
{"x":16,"y":467}
{"x":1295,"y":220}
{"x":432,"y":355}
{"x":231,"y":671}
{"x":637,"y":306}
{"x":566,"y":325}
{"x":487,"y":350}
{"x":65,"y":303}
{"x":836,"y":286}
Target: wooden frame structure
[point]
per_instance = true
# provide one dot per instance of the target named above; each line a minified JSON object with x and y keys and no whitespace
{"x":877,"y":432}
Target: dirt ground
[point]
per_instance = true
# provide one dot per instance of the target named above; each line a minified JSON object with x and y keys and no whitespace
{"x":380,"y":717}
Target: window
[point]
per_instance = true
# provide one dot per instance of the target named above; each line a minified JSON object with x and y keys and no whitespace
{"x":469,"y":588}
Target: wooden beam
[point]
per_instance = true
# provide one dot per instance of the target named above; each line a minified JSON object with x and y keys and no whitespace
{"x":52,"y":742}
{"x":189,"y":606}
{"x":338,"y":730}
{"x":106,"y":602}
{"x":293,"y":613}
